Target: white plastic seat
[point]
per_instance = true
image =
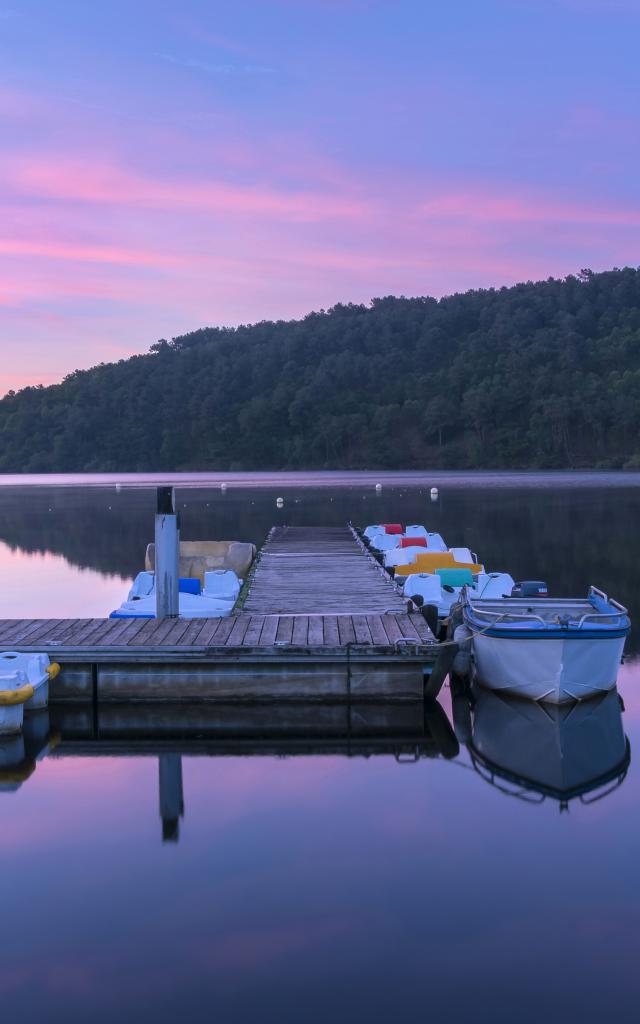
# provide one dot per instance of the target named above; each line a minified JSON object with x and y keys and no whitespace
{"x":402,"y":556}
{"x":385,"y":541}
{"x":435,"y":542}
{"x":143,"y":586}
{"x":425,"y":585}
{"x":463,"y":555}
{"x":416,"y":531}
{"x":494,"y":585}
{"x":221,"y":585}
{"x":372,"y":531}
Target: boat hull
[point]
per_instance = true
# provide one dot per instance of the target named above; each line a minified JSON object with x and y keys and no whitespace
{"x":555,"y":670}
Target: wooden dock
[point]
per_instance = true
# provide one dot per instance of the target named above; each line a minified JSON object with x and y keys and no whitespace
{"x":320,"y":619}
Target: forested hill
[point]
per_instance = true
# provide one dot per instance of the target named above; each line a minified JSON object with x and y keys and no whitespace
{"x":539,"y":375}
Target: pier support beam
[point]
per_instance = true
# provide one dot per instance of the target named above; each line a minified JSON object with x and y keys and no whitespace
{"x":167,"y":538}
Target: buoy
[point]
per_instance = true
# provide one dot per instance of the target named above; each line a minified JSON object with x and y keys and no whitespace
{"x":378,"y":488}
{"x":223,"y":487}
{"x":279,"y":502}
{"x":118,"y":488}
{"x":434,"y":493}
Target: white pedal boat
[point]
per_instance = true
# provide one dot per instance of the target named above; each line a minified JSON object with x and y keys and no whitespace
{"x":432,"y":588}
{"x":24,"y":686}
{"x":561,"y":752}
{"x":215,"y":600}
{"x":544,"y":648}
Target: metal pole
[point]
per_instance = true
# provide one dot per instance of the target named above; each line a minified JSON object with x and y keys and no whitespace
{"x":167,"y":538}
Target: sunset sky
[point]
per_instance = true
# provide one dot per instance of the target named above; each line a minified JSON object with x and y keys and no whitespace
{"x":169,"y":165}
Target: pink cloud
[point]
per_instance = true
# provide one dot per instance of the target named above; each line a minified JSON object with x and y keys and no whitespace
{"x":86,"y":253}
{"x":486,"y":206}
{"x":78,"y":181}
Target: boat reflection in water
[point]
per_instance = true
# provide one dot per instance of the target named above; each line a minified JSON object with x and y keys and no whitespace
{"x":534,"y":751}
{"x":19,"y":754}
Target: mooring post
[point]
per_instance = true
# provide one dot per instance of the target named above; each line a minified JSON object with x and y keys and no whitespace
{"x":167,"y":538}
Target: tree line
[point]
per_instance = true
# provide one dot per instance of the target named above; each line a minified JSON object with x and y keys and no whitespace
{"x":539,"y":375}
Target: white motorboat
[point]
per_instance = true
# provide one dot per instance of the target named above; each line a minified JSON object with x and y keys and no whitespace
{"x":215,"y":600}
{"x":546,"y":649}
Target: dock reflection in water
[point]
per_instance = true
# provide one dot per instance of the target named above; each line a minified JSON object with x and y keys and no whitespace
{"x":534,"y":751}
{"x":409,"y":732}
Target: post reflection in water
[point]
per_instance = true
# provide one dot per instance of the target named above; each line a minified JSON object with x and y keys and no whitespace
{"x":533,"y":751}
{"x":171,"y":796}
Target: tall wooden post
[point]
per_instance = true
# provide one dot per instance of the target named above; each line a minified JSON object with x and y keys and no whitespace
{"x":167,"y":539}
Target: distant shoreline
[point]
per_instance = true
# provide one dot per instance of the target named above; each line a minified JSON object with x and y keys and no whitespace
{"x":333,"y":478}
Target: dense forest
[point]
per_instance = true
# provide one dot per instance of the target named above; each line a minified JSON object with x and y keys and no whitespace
{"x":543,"y":375}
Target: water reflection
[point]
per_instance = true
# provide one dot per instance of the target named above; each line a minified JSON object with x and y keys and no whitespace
{"x":408,"y":732}
{"x":533,"y":751}
{"x":20,"y":753}
{"x":171,"y":796}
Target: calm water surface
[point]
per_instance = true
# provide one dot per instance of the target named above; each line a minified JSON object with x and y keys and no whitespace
{"x":380,"y":868}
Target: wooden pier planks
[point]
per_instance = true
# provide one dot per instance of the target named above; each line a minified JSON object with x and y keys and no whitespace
{"x":316,"y":593}
{"x":319,"y":571}
{"x":130,"y":637}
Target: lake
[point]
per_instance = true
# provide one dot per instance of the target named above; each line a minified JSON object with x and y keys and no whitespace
{"x":334,"y":864}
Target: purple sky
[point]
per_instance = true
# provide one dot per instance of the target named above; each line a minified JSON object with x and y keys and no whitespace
{"x":165,"y":166}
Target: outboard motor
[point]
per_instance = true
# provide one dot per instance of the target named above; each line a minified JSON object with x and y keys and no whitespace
{"x":530,"y":588}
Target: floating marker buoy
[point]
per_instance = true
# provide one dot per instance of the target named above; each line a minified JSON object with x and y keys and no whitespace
{"x":279,"y":502}
{"x":223,"y":487}
{"x":118,"y":488}
{"x":434,"y":493}
{"x":378,"y":488}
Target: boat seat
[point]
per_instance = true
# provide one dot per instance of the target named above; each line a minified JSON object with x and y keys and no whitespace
{"x":494,"y":584}
{"x":222,"y":584}
{"x":400,"y":556}
{"x":413,"y":542}
{"x":462,"y":555}
{"x":393,"y":528}
{"x":416,"y":531}
{"x":143,"y":586}
{"x":455,"y":577}
{"x":385,"y":541}
{"x":424,"y":585}
{"x":371,"y":531}
{"x":435,"y":542}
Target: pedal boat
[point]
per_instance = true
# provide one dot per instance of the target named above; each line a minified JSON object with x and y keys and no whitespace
{"x":215,"y":600}
{"x":546,"y":649}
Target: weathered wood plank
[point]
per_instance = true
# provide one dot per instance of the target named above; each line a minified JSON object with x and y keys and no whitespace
{"x":346,"y":631}
{"x":252,"y":636}
{"x":391,"y":628}
{"x":237,"y":634}
{"x":378,"y":632}
{"x":269,"y":630}
{"x":284,"y":632}
{"x":222,"y":632}
{"x":315,"y":635}
{"x":190,"y":638}
{"x":300,"y":631}
{"x":331,"y":634}
{"x":210,"y":631}
{"x":361,"y":629}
